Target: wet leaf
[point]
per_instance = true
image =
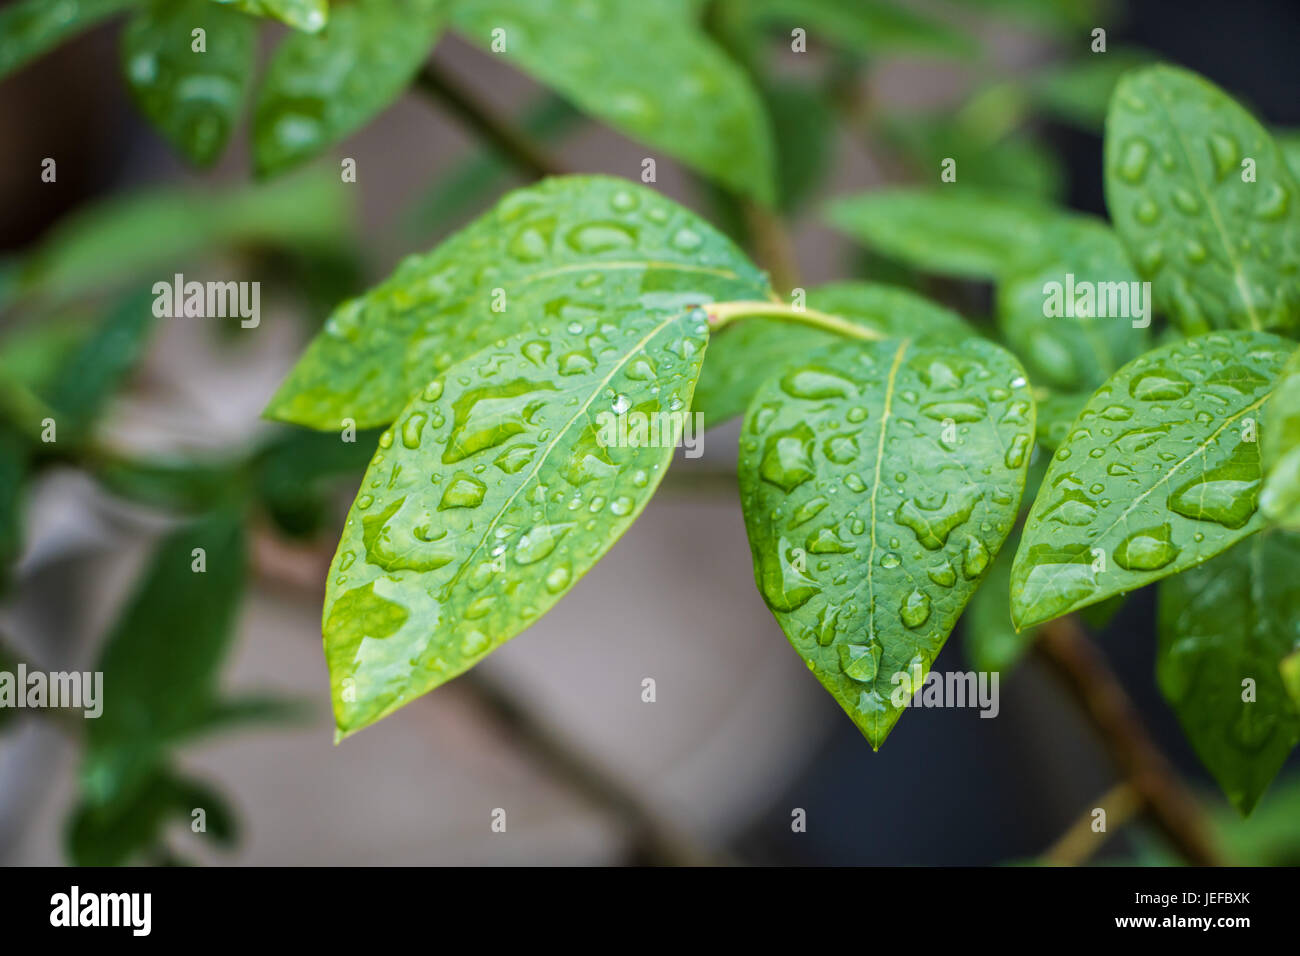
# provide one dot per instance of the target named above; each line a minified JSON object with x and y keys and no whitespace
{"x":745,"y":353}
{"x":1213,"y":244}
{"x":308,"y":15}
{"x":870,"y":27}
{"x":495,"y":490}
{"x":1159,"y":473}
{"x":320,"y":88}
{"x":1225,"y":627}
{"x":878,"y":482}
{"x":647,"y":69}
{"x":567,"y":250}
{"x":1280,"y":450}
{"x":30,"y":28}
{"x":193,"y":98}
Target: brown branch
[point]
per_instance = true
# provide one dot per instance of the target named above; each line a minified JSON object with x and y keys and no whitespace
{"x":1080,"y":842}
{"x":482,"y":120}
{"x":1171,"y":806}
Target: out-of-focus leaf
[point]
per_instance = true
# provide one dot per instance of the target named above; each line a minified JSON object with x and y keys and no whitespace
{"x":1065,"y":17}
{"x":1279,"y":450}
{"x":803,"y":127}
{"x":1225,"y":627}
{"x":647,"y":69}
{"x":308,"y":15}
{"x":124,"y":239}
{"x":568,"y":250}
{"x":133,"y":824}
{"x":161,"y":662}
{"x":745,"y":353}
{"x":32,"y":355}
{"x":320,"y":88}
{"x":1056,"y":413}
{"x":13,"y":470}
{"x":992,"y":642}
{"x":870,"y":27}
{"x":1079,"y":92}
{"x":178,"y":483}
{"x":296,"y":472}
{"x":193,"y":97}
{"x":1289,"y":142}
{"x":30,"y":28}
{"x":1011,"y":164}
{"x":80,"y":388}
{"x":1212,"y":241}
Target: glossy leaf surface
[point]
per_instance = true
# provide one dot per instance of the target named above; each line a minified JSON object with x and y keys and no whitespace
{"x":308,"y":15}
{"x":1280,"y":448}
{"x":30,"y":28}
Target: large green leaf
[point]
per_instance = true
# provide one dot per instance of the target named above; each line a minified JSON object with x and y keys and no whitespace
{"x":1160,"y":472}
{"x":963,"y":232}
{"x":161,"y":662}
{"x":308,"y":15}
{"x":30,"y":28}
{"x":192,"y":97}
{"x":496,"y":490}
{"x":1078,"y":344}
{"x":871,"y":27}
{"x":565,"y":250}
{"x":647,"y":69}
{"x":1216,"y":248}
{"x":745,"y":353}
{"x":878,"y":481}
{"x":1229,"y":621}
{"x":320,"y":88}
{"x":1280,"y":450}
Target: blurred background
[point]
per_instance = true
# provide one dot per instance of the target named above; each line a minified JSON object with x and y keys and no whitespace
{"x":556,"y":732}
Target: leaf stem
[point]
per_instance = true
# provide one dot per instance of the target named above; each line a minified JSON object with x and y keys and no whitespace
{"x":1121,"y":802}
{"x":722,"y":314}
{"x":525,"y":155}
{"x":1173,"y":809}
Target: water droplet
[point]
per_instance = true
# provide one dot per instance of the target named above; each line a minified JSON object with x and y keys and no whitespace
{"x":915,"y":609}
{"x":1146,"y":550}
{"x":974,"y":558}
{"x":787,"y":458}
{"x":889,"y":560}
{"x":860,"y":662}
{"x":1159,"y":385}
{"x":1134,"y":158}
{"x":557,"y":579}
{"x":933,"y":518}
{"x":412,"y":428}
{"x":1015,"y":456}
{"x":538,"y":542}
{"x":464,"y":491}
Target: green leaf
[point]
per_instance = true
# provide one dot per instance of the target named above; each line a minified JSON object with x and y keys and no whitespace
{"x":30,"y":28}
{"x":1213,"y":246}
{"x":1280,"y":450}
{"x":992,"y":641}
{"x":745,"y":353}
{"x":1080,"y":92}
{"x":962,"y":232}
{"x":192,"y":97}
{"x":80,"y":388}
{"x":493,"y":493}
{"x":1227,"y":622}
{"x":321,"y":88}
{"x":297,"y":473}
{"x":1015,"y":164}
{"x":869,"y":27}
{"x":172,"y":482}
{"x":160,"y":684}
{"x":566,"y":250}
{"x":121,"y":830}
{"x":134,"y":236}
{"x":1056,"y":413}
{"x":1067,"y":341}
{"x":13,"y":471}
{"x":803,"y":127}
{"x":878,"y":482}
{"x":308,"y":15}
{"x":646,"y":69}
{"x":1159,"y":473}
{"x":1289,"y":142}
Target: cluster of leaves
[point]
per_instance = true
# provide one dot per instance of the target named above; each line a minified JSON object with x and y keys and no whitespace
{"x":885,"y":450}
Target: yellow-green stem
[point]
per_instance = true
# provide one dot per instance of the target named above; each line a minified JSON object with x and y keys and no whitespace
{"x":722,"y":314}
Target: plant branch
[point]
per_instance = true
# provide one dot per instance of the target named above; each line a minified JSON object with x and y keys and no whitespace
{"x":481,"y":119}
{"x":1173,"y":809}
{"x":1080,"y":842}
{"x":772,"y":245}
{"x":722,"y":314}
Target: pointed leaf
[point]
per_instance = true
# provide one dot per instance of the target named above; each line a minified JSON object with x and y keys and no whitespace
{"x":30,"y":28}
{"x":1160,"y":472}
{"x":308,"y":15}
{"x":1213,"y":243}
{"x":878,"y":482}
{"x":495,"y":490}
{"x":193,"y":97}
{"x":320,"y":88}
{"x":1280,"y":450}
{"x":647,"y":69}
{"x":1223,"y":624}
{"x":559,"y":252}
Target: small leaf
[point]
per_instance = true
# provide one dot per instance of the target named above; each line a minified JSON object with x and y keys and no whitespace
{"x":562,"y":251}
{"x":1056,"y":413}
{"x":1225,"y":628}
{"x":308,"y":15}
{"x":497,"y":488}
{"x":30,"y":28}
{"x":321,"y":88}
{"x":646,"y":69}
{"x":745,"y":353}
{"x":967,"y":232}
{"x":870,"y":27}
{"x":1212,"y":242}
{"x":1080,"y":92}
{"x":1015,"y":164}
{"x":1160,"y":472}
{"x":1280,"y":450}
{"x":878,"y":482}
{"x":193,"y":97}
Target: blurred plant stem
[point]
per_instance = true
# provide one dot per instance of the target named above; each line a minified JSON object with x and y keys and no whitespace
{"x":653,"y":840}
{"x":1172,"y":807}
{"x":485,"y":122}
{"x":1077,"y":844}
